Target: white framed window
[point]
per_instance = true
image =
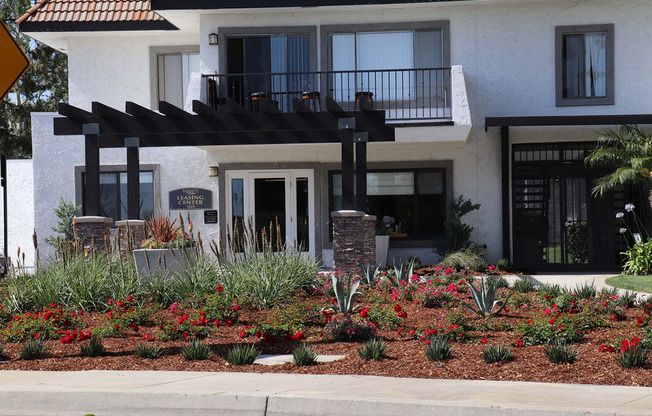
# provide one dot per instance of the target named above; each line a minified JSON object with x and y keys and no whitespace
{"x":174,"y":71}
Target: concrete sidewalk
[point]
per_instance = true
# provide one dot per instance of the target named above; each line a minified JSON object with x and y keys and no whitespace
{"x":163,"y":393}
{"x":571,"y":280}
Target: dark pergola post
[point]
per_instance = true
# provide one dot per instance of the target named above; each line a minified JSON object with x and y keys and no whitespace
{"x":504,"y":157}
{"x":133,"y":178}
{"x":361,"y":139}
{"x":92,"y":188}
{"x":346,"y":125}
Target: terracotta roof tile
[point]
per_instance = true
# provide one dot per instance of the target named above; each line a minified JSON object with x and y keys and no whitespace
{"x":90,"y":11}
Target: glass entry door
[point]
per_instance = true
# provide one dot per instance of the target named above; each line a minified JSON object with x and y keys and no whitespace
{"x":277,"y":204}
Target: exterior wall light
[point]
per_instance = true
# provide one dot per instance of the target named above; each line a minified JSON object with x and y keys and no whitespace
{"x":212,"y":39}
{"x":213,"y":171}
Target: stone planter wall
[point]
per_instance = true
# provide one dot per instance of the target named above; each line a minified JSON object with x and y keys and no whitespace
{"x":130,"y":236}
{"x":354,"y":240}
{"x":91,"y":232}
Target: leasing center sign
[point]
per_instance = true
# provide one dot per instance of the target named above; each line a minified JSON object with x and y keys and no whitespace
{"x":191,"y":198}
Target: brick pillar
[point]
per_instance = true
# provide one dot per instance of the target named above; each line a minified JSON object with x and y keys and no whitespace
{"x":130,"y":236}
{"x":92,"y":230}
{"x":354,"y":244}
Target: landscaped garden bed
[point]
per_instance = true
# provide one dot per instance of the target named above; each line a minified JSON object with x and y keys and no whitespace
{"x":219,"y":305}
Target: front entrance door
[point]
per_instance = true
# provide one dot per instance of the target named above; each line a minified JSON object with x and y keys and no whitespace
{"x":557,"y":223}
{"x":277,"y":203}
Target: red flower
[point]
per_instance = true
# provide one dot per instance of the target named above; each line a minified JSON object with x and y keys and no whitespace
{"x":129,"y":298}
{"x":552,"y":321}
{"x":235,"y":308}
{"x":37,"y":336}
{"x":492,"y":267}
{"x":219,"y":288}
{"x":229,"y":322}
{"x":364,"y":313}
{"x":518,"y":343}
{"x":243,"y":334}
{"x":398,"y":308}
{"x":624,"y":346}
{"x":639,"y":321}
{"x":402,"y":314}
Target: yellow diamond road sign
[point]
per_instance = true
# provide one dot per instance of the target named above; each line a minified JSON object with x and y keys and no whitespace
{"x":13,"y":61}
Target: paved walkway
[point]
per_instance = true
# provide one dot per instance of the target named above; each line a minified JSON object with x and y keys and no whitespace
{"x":571,"y":280}
{"x":163,"y":393}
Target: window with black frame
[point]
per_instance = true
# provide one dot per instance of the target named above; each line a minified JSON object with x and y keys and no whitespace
{"x":113,"y":194}
{"x":584,"y":59}
{"x":408,"y":204}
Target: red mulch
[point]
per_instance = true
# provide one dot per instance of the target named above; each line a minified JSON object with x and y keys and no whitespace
{"x":405,"y":355}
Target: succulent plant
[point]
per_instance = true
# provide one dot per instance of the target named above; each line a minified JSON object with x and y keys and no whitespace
{"x":484,"y":298}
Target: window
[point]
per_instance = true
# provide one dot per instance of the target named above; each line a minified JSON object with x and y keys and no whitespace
{"x":174,"y":72}
{"x":404,"y":49}
{"x":411,"y":203}
{"x":113,"y":194}
{"x":584,"y":65}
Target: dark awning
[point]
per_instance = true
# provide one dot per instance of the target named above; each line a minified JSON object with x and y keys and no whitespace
{"x":539,"y":121}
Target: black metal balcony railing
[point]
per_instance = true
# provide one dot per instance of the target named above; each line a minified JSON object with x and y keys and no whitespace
{"x":404,"y":94}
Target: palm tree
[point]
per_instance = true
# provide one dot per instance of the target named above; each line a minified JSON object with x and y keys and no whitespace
{"x":628,"y":150}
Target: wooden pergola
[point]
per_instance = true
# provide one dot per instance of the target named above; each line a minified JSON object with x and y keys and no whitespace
{"x":137,"y":126}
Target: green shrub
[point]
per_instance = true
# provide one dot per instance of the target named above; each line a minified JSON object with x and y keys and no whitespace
{"x":439,"y":349}
{"x":373,"y":349}
{"x":480,"y":265}
{"x":585,"y":290}
{"x":196,"y":350}
{"x":638,"y":259}
{"x":65,"y":211}
{"x":632,"y":354}
{"x":304,"y":355}
{"x":348,"y":330}
{"x":457,"y":233}
{"x":44,"y":324}
{"x":576,"y":246}
{"x":93,"y":348}
{"x":626,"y":299}
{"x":495,"y":353}
{"x":32,"y":349}
{"x":499,"y":282}
{"x":242,"y":354}
{"x":551,"y":331}
{"x":384,"y":318}
{"x":551,"y":290}
{"x":465,"y":258}
{"x":148,"y":351}
{"x":504,"y":265}
{"x":524,"y":285}
{"x":561,"y":353}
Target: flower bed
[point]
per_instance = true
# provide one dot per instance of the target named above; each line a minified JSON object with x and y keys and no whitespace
{"x":408,"y":317}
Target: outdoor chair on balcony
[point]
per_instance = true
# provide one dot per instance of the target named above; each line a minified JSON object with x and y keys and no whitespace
{"x":312,"y":100}
{"x":368,"y":97}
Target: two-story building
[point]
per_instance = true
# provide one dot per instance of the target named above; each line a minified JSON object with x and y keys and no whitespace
{"x":495,"y":100}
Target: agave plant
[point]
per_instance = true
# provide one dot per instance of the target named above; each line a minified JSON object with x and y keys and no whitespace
{"x":404,"y":271}
{"x":345,"y":293}
{"x":484,"y":298}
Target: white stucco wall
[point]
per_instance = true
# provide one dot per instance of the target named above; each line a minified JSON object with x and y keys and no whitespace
{"x":506,"y":50}
{"x":116,"y":67}
{"x":20,"y":209}
{"x":178,"y":168}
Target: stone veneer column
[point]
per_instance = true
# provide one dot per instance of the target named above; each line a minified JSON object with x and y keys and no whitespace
{"x":354,"y":240}
{"x":130,"y":236}
{"x":92,"y":230}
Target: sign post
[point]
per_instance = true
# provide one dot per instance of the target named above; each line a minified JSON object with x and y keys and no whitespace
{"x":14,"y":64}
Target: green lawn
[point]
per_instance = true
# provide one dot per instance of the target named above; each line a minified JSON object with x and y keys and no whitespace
{"x":635,"y":283}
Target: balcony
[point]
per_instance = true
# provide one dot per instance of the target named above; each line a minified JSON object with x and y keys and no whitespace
{"x":406,"y":95}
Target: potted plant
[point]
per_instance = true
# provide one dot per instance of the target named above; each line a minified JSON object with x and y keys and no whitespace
{"x":383,"y":231}
{"x":167,"y":247}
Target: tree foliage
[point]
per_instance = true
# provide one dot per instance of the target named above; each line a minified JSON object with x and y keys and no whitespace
{"x":627,"y":152}
{"x":41,"y":88}
{"x":458,"y":234}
